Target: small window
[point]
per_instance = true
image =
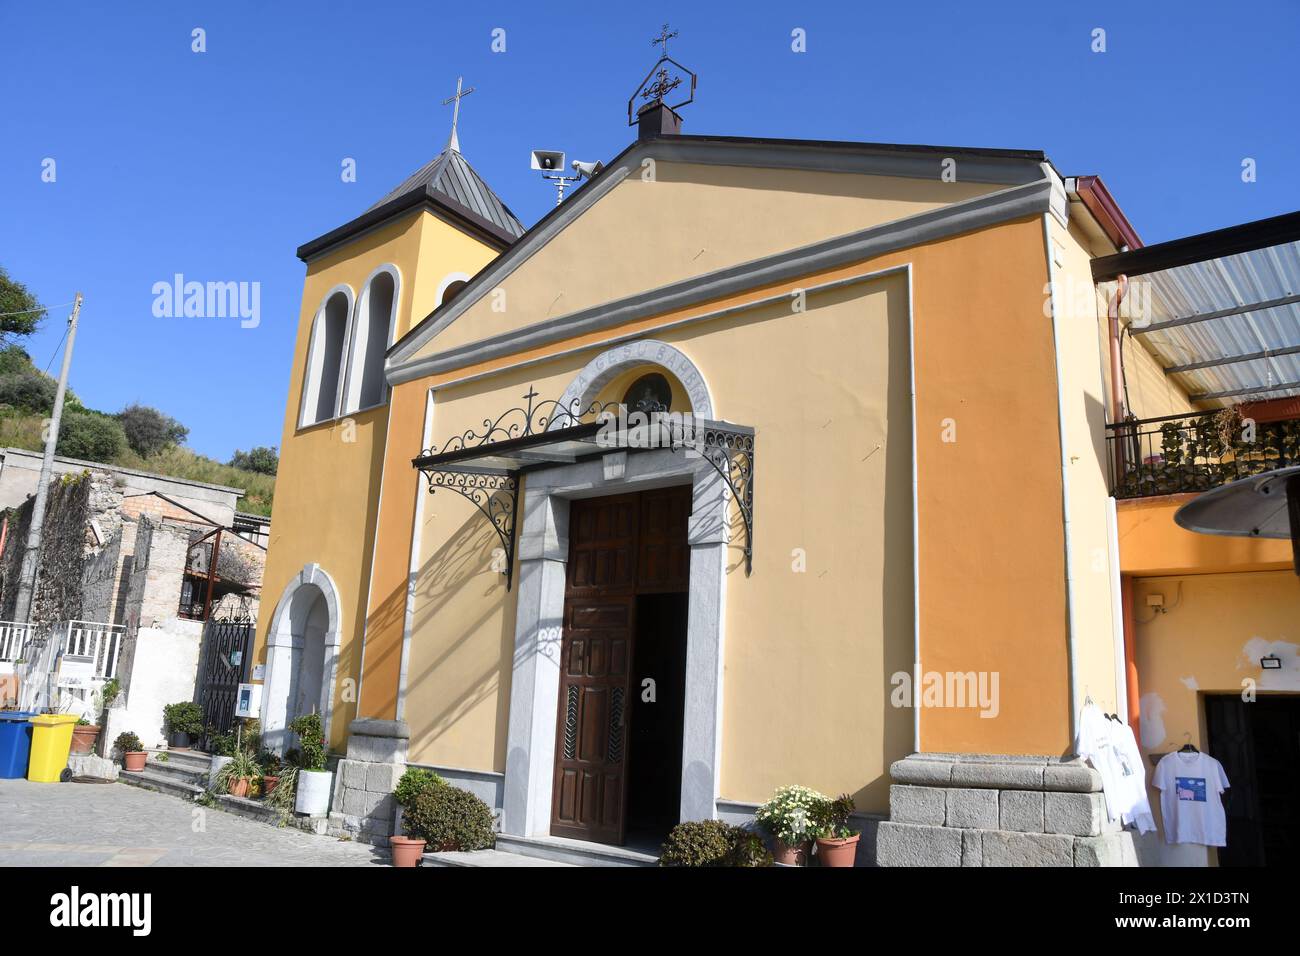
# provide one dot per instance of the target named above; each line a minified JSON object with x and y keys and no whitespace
{"x":649,"y":393}
{"x":451,"y":291}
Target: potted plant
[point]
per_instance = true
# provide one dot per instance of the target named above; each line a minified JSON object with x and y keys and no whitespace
{"x":236,"y":778}
{"x":270,"y":765}
{"x":449,"y":818}
{"x":222,"y":748}
{"x":184,"y":721}
{"x":789,"y":818}
{"x":84,"y":735}
{"x":837,"y":844}
{"x":132,"y":751}
{"x":409,"y":849}
{"x":696,"y":843}
{"x":313,"y":779}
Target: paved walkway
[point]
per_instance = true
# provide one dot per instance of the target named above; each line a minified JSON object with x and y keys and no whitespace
{"x":112,"y":824}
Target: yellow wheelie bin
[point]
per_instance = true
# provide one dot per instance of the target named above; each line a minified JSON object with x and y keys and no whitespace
{"x":51,"y":741}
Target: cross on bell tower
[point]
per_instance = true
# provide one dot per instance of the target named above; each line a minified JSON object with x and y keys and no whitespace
{"x":454,"y":143}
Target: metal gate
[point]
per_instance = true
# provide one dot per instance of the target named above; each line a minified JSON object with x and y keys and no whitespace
{"x":227,"y":647}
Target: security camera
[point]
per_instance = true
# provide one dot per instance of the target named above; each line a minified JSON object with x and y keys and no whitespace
{"x":547,"y":160}
{"x":587,"y":170}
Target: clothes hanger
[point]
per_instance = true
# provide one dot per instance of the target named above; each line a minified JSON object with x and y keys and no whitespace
{"x":1189,"y":747}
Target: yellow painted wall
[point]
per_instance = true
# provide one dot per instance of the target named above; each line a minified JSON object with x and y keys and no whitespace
{"x":808,"y":653}
{"x":1083,"y":385}
{"x":1209,"y":640}
{"x":691,"y":220}
{"x":985,"y":359}
{"x":325,"y":509}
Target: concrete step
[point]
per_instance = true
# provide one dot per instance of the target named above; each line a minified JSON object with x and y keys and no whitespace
{"x":575,"y":852}
{"x":163,"y":783}
{"x":179,"y":772}
{"x":185,"y":759}
{"x":487,"y":858}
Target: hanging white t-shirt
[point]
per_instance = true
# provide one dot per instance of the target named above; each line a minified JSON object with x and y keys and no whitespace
{"x":1113,"y":752}
{"x":1190,"y":787}
{"x":1137,"y":808}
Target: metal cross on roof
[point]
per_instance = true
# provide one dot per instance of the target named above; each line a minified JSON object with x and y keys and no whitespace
{"x":662,"y":39}
{"x":454,"y":142}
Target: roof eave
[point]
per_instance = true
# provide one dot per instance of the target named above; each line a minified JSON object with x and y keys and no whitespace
{"x":1233,"y":240}
{"x":1098,"y":200}
{"x":417,"y":199}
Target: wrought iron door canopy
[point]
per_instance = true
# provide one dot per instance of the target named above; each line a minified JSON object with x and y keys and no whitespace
{"x":484,"y":464}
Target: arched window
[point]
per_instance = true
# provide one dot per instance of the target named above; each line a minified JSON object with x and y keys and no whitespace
{"x":376,"y":315}
{"x":452,"y":290}
{"x":450,"y":285}
{"x":329,"y":336}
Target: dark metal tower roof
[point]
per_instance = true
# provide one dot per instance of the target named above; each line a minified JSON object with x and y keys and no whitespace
{"x":455,"y":181}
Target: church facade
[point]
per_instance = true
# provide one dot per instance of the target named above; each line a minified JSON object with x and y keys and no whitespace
{"x":602,"y":639}
{"x":760,"y":462}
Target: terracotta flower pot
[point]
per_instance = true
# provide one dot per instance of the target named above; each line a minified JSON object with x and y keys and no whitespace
{"x":133,"y":760}
{"x":837,"y":852}
{"x":406,"y":850}
{"x":791,"y":855}
{"x":239,"y":786}
{"x":84,"y":737}
{"x":269,"y":784}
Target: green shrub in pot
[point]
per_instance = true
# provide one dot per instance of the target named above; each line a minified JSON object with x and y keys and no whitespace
{"x":448,"y":818}
{"x":313,"y":780}
{"x":184,"y":721}
{"x":695,"y":843}
{"x":415,"y":781}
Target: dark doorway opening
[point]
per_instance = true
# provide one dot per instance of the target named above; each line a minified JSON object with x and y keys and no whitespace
{"x":1258,"y":743}
{"x":658,"y":705}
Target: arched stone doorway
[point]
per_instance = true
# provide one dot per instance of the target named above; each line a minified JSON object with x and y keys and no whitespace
{"x":301,"y":656}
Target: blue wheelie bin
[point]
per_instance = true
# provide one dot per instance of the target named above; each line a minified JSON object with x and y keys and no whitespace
{"x":15,"y":742}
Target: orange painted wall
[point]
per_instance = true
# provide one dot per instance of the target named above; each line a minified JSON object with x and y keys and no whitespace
{"x":391,"y":565}
{"x":1150,"y":543}
{"x":991,"y":537}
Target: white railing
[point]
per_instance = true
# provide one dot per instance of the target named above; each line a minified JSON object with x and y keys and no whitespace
{"x":39,"y":647}
{"x":14,"y":638}
{"x":101,"y":641}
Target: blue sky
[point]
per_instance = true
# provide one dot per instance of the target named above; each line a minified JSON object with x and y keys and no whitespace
{"x":218,"y":165}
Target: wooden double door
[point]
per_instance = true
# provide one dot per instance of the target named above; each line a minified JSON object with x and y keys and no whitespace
{"x":628,"y":554}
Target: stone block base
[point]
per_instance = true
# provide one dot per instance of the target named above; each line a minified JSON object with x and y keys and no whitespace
{"x":89,"y":765}
{"x":985,"y":810}
{"x":363,"y":807}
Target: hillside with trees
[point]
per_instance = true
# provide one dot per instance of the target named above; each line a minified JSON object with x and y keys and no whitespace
{"x":138,"y":436}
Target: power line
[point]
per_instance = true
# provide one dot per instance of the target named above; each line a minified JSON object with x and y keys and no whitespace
{"x":39,"y":308}
{"x":56,"y":350}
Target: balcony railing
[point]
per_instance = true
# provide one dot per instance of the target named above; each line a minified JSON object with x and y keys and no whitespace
{"x":103,"y":642}
{"x":1190,"y":453}
{"x":14,"y":638}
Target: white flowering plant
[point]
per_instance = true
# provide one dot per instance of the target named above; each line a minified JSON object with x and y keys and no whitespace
{"x":792,"y":814}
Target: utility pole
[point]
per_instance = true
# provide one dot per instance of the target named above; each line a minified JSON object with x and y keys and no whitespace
{"x":32,"y":552}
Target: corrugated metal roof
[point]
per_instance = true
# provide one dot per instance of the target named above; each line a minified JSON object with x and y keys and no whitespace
{"x":1238,"y":283}
{"x":450,"y":175}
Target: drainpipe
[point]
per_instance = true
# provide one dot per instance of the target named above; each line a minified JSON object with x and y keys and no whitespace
{"x":1117,"y":409}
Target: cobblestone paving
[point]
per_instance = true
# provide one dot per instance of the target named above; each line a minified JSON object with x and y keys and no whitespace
{"x":76,"y":824}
